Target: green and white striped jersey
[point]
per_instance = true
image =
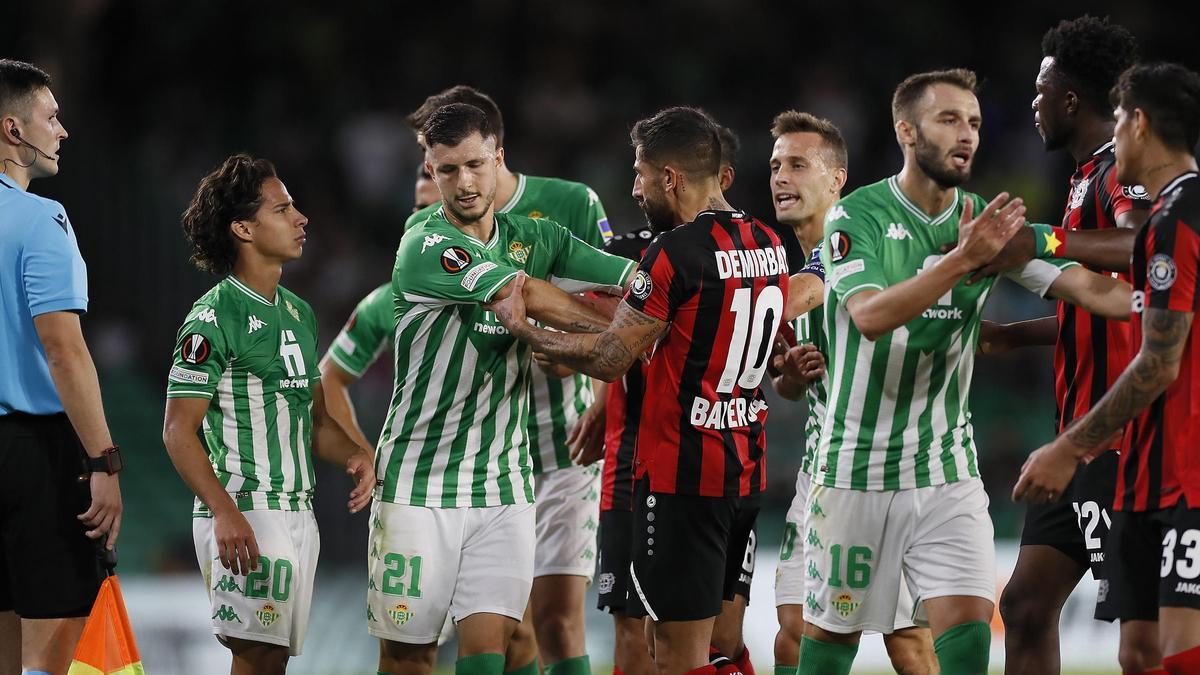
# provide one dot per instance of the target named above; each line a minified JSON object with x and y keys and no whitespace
{"x":256,"y":362}
{"x":366,"y":334}
{"x":455,"y":433}
{"x":810,"y":329}
{"x":554,"y":404}
{"x":897,"y":413}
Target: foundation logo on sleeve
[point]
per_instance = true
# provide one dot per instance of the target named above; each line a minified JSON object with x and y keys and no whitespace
{"x":400,"y":614}
{"x":455,"y":259}
{"x":1161,"y":272}
{"x":839,"y":245}
{"x":518,"y":252}
{"x":195,"y":349}
{"x":641,"y":285}
{"x":267,"y":615}
{"x":845,"y":604}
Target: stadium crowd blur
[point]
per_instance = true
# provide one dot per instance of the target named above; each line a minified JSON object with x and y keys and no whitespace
{"x":156,"y":94}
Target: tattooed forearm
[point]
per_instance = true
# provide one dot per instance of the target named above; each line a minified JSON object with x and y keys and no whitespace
{"x":1165,"y":334}
{"x":606,"y":355}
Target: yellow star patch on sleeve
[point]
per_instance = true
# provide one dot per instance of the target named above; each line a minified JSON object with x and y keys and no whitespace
{"x":1052,"y":244}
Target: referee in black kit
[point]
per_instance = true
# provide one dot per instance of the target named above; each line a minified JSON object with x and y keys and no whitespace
{"x":52,"y":428}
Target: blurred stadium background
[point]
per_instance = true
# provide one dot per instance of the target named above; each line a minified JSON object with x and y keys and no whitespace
{"x":154,"y":94}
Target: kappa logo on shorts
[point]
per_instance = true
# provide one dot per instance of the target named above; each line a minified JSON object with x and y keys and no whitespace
{"x":228,"y":584}
{"x":815,"y":509}
{"x":226,"y":613}
{"x":267,"y":615}
{"x":606,"y":582}
{"x":813,"y":572}
{"x":812,"y":604}
{"x":814,"y":540}
{"x":845,"y":604}
{"x":371,"y":615}
{"x":400,"y":614}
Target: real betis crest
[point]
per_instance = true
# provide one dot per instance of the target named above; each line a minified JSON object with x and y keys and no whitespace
{"x":400,"y":614}
{"x":292,"y":309}
{"x":267,"y":615}
{"x":845,"y":604}
{"x":518,"y":252}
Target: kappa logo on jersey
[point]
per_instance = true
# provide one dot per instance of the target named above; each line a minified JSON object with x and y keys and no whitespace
{"x":255,"y":324}
{"x":898,"y":232}
{"x":518,"y":252}
{"x":839,"y":245}
{"x":207,"y":315}
{"x":195,"y":349}
{"x":455,"y":259}
{"x":432,"y":240}
{"x":641,"y":285}
{"x":1161,"y":272}
{"x":836,"y":213}
{"x":1136,"y":192}
{"x":1079,"y":193}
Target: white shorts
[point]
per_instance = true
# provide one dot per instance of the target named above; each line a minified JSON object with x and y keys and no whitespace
{"x":425,"y":562}
{"x":792,"y":570}
{"x":866,"y":546}
{"x":568,"y":513}
{"x":271,"y":604}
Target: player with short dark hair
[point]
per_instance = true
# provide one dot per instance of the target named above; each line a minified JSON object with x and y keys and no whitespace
{"x":1082,"y":59}
{"x":808,"y":170}
{"x":896,"y":479}
{"x":58,"y":463}
{"x":245,"y":374}
{"x":730,"y":145}
{"x":453,"y":525}
{"x":711,"y":292}
{"x":1151,"y":553}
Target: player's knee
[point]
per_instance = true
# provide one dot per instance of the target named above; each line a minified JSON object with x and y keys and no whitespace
{"x":1025,"y":611}
{"x":912,"y":655}
{"x":256,"y":657}
{"x":399,"y":658}
{"x":787,"y":640}
{"x":558,"y":634}
{"x":1136,"y":656}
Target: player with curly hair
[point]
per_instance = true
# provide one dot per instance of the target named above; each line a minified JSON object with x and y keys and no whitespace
{"x":245,"y":371}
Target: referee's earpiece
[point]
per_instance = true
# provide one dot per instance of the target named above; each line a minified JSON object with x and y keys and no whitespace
{"x":16,"y":132}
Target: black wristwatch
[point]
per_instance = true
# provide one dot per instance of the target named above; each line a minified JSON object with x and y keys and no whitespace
{"x":108,"y":462}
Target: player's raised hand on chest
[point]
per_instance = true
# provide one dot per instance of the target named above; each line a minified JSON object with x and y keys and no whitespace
{"x":981,"y":237}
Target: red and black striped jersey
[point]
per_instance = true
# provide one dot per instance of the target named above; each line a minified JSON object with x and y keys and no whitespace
{"x":1159,"y":453}
{"x":623,"y":405}
{"x":1091,"y":351}
{"x":721,"y":283}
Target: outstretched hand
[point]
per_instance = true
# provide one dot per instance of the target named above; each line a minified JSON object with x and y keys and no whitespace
{"x":981,"y":237}
{"x":802,"y":364}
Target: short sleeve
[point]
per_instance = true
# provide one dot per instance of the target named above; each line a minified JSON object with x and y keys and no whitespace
{"x":814,"y":265}
{"x":655,"y":287}
{"x":53,"y":270}
{"x":1171,"y":265}
{"x":1124,"y":198}
{"x":579,"y":266}
{"x":201,"y":355}
{"x":850,"y":251}
{"x":366,"y":333}
{"x":1038,"y":275}
{"x":595,"y":229}
{"x":444,"y":266}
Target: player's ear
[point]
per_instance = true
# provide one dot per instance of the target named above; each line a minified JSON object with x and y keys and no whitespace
{"x":499,"y":157}
{"x":905,"y":133}
{"x":1071,"y":103}
{"x":839,"y":179}
{"x":1141,"y":124}
{"x":241,"y":231}
{"x":672,"y":179}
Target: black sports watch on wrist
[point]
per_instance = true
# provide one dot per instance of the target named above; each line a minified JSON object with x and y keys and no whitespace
{"x":109,"y":461}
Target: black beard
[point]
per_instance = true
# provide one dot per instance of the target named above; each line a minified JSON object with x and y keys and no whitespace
{"x":930,"y":159}
{"x":658,"y":217}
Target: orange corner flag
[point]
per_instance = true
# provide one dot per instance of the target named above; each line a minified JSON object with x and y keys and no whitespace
{"x":106,"y":646}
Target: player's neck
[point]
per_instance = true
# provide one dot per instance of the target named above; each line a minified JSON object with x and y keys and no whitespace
{"x":16,"y":173}
{"x":506,"y":185}
{"x":809,"y":232}
{"x":1090,"y":134}
{"x":1164,"y":166}
{"x":924,"y":191}
{"x":702,"y":197}
{"x":480,"y":229}
{"x":260,"y":275}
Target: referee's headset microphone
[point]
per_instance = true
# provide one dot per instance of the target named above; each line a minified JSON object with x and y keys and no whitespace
{"x":16,"y":133}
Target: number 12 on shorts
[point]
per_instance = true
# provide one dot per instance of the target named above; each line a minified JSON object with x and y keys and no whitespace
{"x":857,"y":573}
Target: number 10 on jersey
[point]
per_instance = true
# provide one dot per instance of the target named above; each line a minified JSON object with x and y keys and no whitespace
{"x":747,"y":358}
